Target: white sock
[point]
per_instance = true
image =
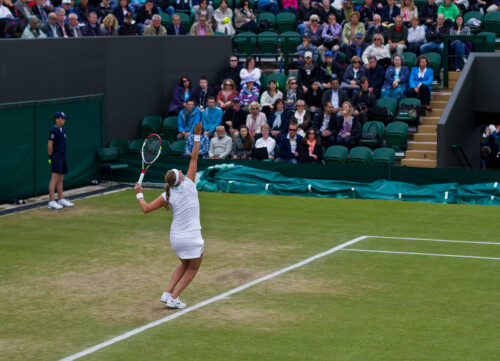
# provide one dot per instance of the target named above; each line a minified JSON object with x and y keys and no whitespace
{"x":166,"y":294}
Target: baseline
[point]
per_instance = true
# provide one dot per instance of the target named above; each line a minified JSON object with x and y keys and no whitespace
{"x":434,"y":240}
{"x":211,"y":300}
{"x":419,"y":254}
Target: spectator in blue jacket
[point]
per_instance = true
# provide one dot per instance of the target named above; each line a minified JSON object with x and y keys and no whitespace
{"x":187,"y":119}
{"x":279,"y":119}
{"x":211,"y":117}
{"x":396,"y":79}
{"x":421,"y":77}
{"x":289,"y":145}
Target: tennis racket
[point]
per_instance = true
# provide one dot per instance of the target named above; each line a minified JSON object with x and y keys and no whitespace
{"x":151,"y":149}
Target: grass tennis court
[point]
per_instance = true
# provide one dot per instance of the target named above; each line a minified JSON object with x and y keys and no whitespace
{"x":76,"y":278}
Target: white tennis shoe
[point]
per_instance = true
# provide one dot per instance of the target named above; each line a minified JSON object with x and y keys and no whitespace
{"x":54,"y":205}
{"x":64,"y":202}
{"x":175,"y":303}
{"x":165,"y":296}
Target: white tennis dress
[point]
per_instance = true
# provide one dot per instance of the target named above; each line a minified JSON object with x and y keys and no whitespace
{"x":185,"y":231}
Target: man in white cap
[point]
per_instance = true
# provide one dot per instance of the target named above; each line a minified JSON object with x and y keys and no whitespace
{"x":309,"y":71}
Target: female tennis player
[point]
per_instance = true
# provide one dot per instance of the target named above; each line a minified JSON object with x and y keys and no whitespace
{"x":185,"y":231}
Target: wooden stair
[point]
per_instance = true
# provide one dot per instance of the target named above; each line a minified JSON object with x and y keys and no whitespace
{"x":422,"y":150}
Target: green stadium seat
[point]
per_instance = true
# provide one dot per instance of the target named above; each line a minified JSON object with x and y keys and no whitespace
{"x":169,"y":129}
{"x":285,"y":22}
{"x":263,"y":82}
{"x":410,"y":59}
{"x":492,"y":22}
{"x":489,"y":47}
{"x":121,"y":144}
{"x":268,"y":43}
{"x":289,"y":41}
{"x":269,"y":17}
{"x":280,"y":79}
{"x":396,"y":135}
{"x":336,"y":154}
{"x":165,"y":148}
{"x":109,"y":160}
{"x":384,"y":156}
{"x":185,"y":20}
{"x":360,"y":155}
{"x":165,"y":19}
{"x":245,"y":43}
{"x":434,"y":62}
{"x":136,"y":146}
{"x":177,"y":147}
{"x":408,"y":119}
{"x":474,"y":15}
{"x":367,"y":128}
{"x":390,"y":104}
{"x":150,"y":124}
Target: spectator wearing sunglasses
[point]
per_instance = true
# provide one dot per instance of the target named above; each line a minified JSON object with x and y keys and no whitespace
{"x":256,"y":119}
{"x":292,"y":92}
{"x":289,"y":145}
{"x":231,"y":71}
{"x":226,"y":94}
{"x":315,"y":29}
{"x":310,"y":149}
{"x":353,"y":74}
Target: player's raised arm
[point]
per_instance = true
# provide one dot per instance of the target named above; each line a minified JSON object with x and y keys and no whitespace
{"x":193,"y":164}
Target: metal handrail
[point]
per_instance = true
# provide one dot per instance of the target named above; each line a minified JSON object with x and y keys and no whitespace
{"x":446,"y":50}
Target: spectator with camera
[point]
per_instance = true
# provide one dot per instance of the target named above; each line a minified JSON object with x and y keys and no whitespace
{"x":364,"y":101}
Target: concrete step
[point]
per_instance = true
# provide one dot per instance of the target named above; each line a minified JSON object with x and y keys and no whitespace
{"x":429,"y":120}
{"x":421,"y":154}
{"x":454,"y":75}
{"x":451,"y":84}
{"x":425,"y":137}
{"x":422,"y":163}
{"x":428,"y":146}
{"x":438,"y":104}
{"x":427,"y":129}
{"x":434,"y":113}
{"x":441,"y":96}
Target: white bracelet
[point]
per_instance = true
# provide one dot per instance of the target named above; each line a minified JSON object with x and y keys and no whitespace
{"x":197,"y":138}
{"x":139,"y":196}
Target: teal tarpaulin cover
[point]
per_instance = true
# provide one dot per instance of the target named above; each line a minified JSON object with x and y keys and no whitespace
{"x":240,"y":179}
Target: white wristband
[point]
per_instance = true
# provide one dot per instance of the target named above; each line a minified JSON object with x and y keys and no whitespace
{"x":197,"y":138}
{"x":139,"y":196}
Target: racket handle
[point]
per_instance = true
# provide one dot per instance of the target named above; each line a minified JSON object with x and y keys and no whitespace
{"x":141,"y":178}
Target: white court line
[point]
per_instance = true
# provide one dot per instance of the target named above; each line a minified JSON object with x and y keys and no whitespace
{"x":209,"y":301}
{"x":434,"y":240}
{"x":419,"y":254}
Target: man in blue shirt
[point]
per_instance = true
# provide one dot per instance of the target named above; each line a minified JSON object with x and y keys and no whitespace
{"x":57,"y":159}
{"x":187,"y":119}
{"x":211,"y":117}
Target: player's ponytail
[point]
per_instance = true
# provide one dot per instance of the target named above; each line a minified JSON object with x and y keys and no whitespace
{"x":169,"y":182}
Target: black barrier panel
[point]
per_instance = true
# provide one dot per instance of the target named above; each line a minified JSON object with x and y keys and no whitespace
{"x":24,"y":155}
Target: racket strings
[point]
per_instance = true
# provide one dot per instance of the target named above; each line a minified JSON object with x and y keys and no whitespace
{"x":152,"y":148}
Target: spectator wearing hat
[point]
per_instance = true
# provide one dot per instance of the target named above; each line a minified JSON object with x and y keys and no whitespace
{"x":308,"y":72}
{"x":68,"y":8}
{"x":306,"y":46}
{"x":351,"y":29}
{"x":91,"y":28}
{"x":397,"y":36}
{"x":57,"y":159}
{"x":331,"y":35}
{"x":249,"y":93}
{"x":332,"y":68}
{"x":355,"y":49}
{"x":155,"y":28}
{"x":127,"y":28}
{"x":304,"y":13}
{"x":233,"y":117}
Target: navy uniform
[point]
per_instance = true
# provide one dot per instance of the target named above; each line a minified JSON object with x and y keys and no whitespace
{"x":58,"y":159}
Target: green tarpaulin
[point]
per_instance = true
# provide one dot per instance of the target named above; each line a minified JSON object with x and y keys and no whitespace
{"x":241,"y":179}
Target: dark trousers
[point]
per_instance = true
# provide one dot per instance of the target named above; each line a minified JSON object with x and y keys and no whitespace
{"x":424,"y":94}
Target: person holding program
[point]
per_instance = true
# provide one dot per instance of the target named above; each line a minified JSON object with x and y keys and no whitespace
{"x":57,"y":159}
{"x":185,"y":231}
